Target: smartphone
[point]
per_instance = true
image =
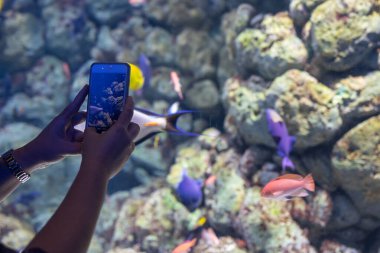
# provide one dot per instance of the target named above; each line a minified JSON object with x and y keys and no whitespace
{"x":109,"y":87}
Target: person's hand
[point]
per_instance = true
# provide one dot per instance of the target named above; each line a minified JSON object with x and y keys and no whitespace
{"x":58,"y":139}
{"x":108,"y":151}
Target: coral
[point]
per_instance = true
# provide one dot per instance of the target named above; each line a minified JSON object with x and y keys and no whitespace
{"x":16,"y":134}
{"x":161,"y":219}
{"x":176,"y":14}
{"x":108,"y":12}
{"x":160,"y":86}
{"x":315,"y":210}
{"x":316,"y":62}
{"x":358,"y":96}
{"x":344,"y":213}
{"x":300,"y":10}
{"x":235,"y":21}
{"x":304,"y":103}
{"x":191,"y":159}
{"x":21,"y":39}
{"x":356,"y":165}
{"x":271,"y":49}
{"x":69,"y":33}
{"x":158,"y":46}
{"x":225,"y":200}
{"x":329,"y":246}
{"x":267,"y":226}
{"x":203,"y":96}
{"x":196,"y":52}
{"x":343,"y":32}
{"x":226,"y":244}
{"x":14,"y":233}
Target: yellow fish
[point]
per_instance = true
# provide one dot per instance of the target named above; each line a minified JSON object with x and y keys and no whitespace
{"x":136,"y":79}
{"x":201,"y":221}
{"x":1,"y":5}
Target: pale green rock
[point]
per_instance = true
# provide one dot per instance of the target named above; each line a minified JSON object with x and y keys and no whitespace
{"x":176,"y":14}
{"x":108,"y":12}
{"x":329,"y":246}
{"x":193,"y":160}
{"x":300,"y":10}
{"x":15,"y":233}
{"x":267,"y":226}
{"x":304,"y":104}
{"x":203,"y":96}
{"x":196,"y":52}
{"x":226,"y":245}
{"x":158,"y":219}
{"x":16,"y":135}
{"x":357,"y":166}
{"x":224,"y":200}
{"x":358,"y":96}
{"x":22,"y":38}
{"x":343,"y":32}
{"x":271,"y":49}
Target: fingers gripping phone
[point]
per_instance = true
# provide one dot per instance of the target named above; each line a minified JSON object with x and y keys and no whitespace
{"x":109,"y":86}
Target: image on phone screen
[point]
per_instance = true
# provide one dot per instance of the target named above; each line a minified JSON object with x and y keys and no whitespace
{"x":108,"y":90}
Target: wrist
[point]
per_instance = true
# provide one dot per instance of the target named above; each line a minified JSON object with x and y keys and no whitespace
{"x":93,"y":170}
{"x":27,"y":159}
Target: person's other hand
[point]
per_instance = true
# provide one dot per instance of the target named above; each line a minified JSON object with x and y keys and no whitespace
{"x":108,"y":151}
{"x":58,"y":139}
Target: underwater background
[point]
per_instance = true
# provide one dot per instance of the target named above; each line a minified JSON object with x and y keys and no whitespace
{"x":316,"y":62}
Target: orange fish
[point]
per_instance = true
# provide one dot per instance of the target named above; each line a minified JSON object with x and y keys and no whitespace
{"x":176,"y":83}
{"x":241,"y":243}
{"x":137,"y":3}
{"x":288,"y":186}
{"x":185,"y":246}
{"x":66,"y":71}
{"x":211,"y":180}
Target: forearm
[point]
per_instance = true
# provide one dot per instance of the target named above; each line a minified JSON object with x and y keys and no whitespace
{"x":71,"y":227}
{"x":8,"y":182}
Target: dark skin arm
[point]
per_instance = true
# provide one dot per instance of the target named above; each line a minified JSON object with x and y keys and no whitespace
{"x":71,"y":227}
{"x":57,"y":140}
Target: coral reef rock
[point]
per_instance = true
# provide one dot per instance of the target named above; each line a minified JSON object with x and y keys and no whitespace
{"x":300,"y":10}
{"x":108,"y":12}
{"x":356,"y":160}
{"x":196,"y":52}
{"x":69,"y":33}
{"x":203,"y":96}
{"x":17,"y":134}
{"x":176,"y":14}
{"x":266,"y":226}
{"x":225,"y":200}
{"x":329,"y":246}
{"x":343,"y":32}
{"x":225,"y":245}
{"x":160,"y":219}
{"x":303,"y":102}
{"x":271,"y":49}
{"x":22,"y":38}
{"x":344,"y":213}
{"x":14,"y":233}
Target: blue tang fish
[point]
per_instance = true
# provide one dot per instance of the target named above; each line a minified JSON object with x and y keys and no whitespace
{"x":190,"y":192}
{"x":280,"y":134}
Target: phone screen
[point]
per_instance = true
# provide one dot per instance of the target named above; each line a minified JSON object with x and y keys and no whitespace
{"x":109,"y":85}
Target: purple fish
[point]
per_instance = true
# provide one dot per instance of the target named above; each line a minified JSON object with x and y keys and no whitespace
{"x":280,"y":134}
{"x":190,"y":192}
{"x":145,"y":66}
